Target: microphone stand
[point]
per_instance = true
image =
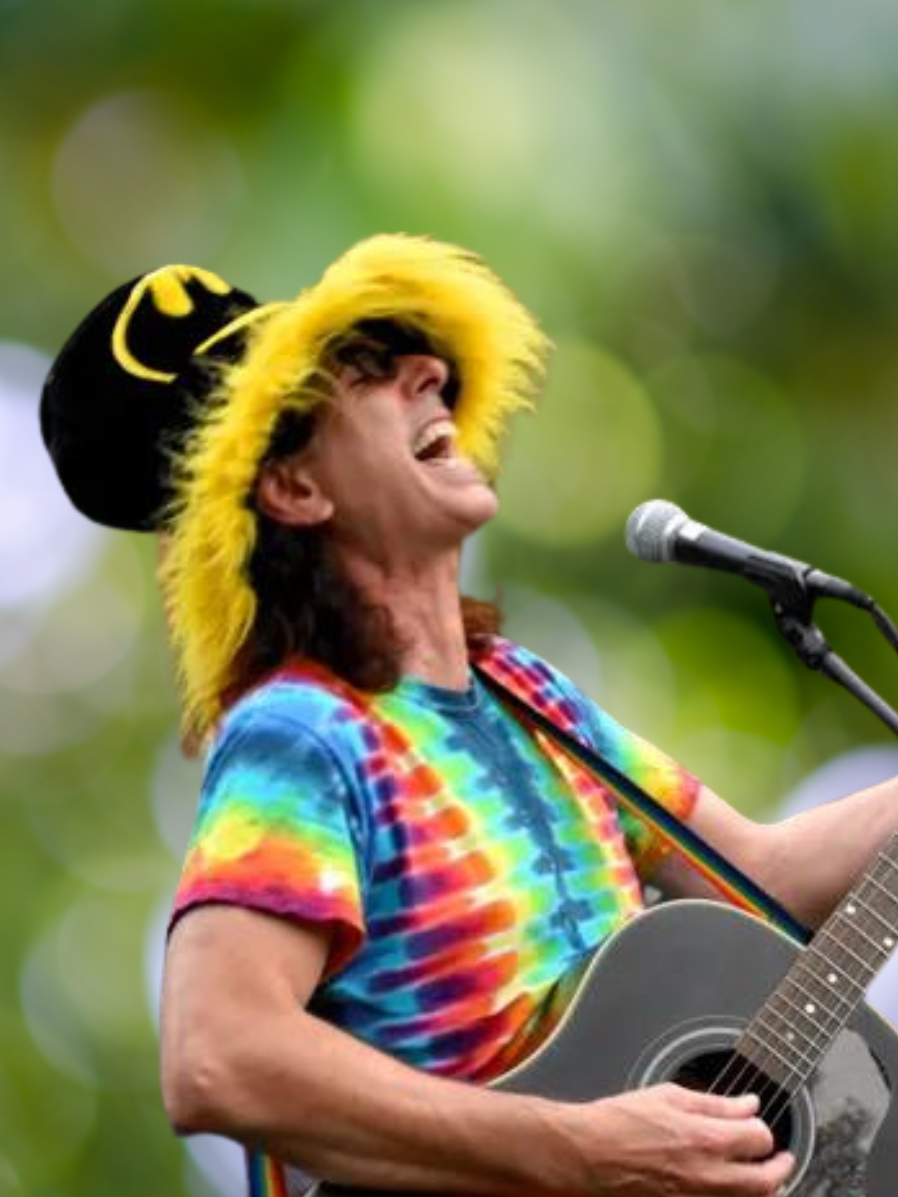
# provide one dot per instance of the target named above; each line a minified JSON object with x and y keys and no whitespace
{"x":793,"y":601}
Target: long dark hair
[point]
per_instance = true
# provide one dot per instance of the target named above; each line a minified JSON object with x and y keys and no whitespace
{"x":307,"y":606}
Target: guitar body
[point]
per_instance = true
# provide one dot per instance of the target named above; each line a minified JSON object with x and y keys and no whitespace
{"x":665,"y":999}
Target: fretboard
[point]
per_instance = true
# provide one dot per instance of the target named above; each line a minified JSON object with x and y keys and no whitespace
{"x":797,"y":1024}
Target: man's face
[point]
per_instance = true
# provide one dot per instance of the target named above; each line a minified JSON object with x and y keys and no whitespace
{"x":383,"y":462}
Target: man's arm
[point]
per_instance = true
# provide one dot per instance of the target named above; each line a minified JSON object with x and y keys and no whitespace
{"x":807,"y":862}
{"x":242,"y":1058}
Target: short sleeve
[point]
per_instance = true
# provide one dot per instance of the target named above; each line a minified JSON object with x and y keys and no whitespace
{"x":277,"y":830}
{"x":674,"y":787}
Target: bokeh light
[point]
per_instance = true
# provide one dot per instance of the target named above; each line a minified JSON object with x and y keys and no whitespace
{"x":724,"y":286}
{"x":575,"y":471}
{"x":86,"y":633}
{"x":143,"y":178}
{"x":75,"y":668}
{"x":44,"y":545}
{"x":81,"y":994}
{"x":732,"y":736}
{"x":638,"y":683}
{"x":174,"y":789}
{"x":552,"y":630}
{"x":46,"y":1116}
{"x":520,"y":136}
{"x":758,"y":463}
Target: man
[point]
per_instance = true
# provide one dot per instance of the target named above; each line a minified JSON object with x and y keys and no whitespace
{"x":393,"y":886}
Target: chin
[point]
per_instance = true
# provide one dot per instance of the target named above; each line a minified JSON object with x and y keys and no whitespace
{"x":481,"y":507}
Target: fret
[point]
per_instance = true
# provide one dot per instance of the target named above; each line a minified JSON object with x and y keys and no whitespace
{"x":781,"y":1024}
{"x":844,"y":971}
{"x":871,"y":908}
{"x":812,"y":1047}
{"x":885,"y":884}
{"x":827,"y":979}
{"x":814,"y":960}
{"x":820,"y":989}
{"x":878,"y":953}
{"x":810,"y":1004}
{"x":805,"y":1017}
{"x":815,"y":1021}
{"x":885,"y":858}
{"x":789,"y":1040}
{"x":826,"y":932}
{"x":769,"y":1062}
{"x":882,"y":917}
{"x":855,"y":927}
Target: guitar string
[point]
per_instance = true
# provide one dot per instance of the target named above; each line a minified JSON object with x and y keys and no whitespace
{"x":752,"y":1064}
{"x":884,"y":948}
{"x":776,"y":1097}
{"x":771,"y":1091}
{"x":774,"y":1093}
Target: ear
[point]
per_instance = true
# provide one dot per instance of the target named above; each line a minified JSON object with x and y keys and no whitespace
{"x":288,"y":493}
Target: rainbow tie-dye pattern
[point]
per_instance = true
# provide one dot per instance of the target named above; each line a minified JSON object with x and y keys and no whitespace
{"x":466,"y":868}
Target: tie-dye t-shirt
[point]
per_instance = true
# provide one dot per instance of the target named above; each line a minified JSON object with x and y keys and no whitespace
{"x":466,"y":868}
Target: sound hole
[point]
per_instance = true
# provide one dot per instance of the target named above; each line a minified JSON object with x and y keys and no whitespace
{"x":728,"y":1072}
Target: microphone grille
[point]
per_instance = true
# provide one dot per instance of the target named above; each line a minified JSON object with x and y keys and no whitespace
{"x":652,"y":528}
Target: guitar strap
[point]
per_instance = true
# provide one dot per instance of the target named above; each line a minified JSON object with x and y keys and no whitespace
{"x":735,"y":886}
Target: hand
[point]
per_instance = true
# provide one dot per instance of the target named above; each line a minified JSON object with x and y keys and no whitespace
{"x":667,"y":1141}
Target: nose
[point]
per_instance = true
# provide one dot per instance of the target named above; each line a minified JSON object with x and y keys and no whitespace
{"x":424,"y":373}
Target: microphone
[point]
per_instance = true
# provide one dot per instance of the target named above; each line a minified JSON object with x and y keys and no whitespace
{"x":659,"y":531}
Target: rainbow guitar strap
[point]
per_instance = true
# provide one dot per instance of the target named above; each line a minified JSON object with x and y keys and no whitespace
{"x":737,"y":888}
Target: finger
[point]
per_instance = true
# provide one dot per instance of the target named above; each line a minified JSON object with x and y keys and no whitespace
{"x":773,"y":1173}
{"x":753,"y":1180}
{"x":716,"y":1105}
{"x":751,"y":1139}
{"x":781,"y":1166}
{"x":737,"y":1140}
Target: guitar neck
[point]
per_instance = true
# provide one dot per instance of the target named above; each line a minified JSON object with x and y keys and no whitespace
{"x":798,"y":1023}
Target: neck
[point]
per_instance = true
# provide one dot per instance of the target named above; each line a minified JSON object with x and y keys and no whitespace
{"x":425,"y":605}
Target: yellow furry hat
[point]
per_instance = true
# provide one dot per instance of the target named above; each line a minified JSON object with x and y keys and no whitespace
{"x":447,"y":294}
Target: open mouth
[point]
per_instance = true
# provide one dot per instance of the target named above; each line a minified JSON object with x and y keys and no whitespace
{"x":435,"y":441}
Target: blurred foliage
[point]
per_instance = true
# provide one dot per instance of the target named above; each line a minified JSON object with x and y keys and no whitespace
{"x":697,"y":199}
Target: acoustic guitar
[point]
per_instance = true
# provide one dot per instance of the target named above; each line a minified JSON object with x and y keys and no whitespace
{"x":707,"y":996}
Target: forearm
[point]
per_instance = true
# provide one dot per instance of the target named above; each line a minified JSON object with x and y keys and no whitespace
{"x":315,"y":1097}
{"x":813,"y":859}
{"x":241,"y":1057}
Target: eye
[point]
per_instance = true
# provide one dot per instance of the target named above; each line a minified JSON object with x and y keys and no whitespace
{"x":370,"y":360}
{"x":451,"y":390}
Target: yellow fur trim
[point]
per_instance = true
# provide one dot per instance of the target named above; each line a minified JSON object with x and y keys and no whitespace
{"x":446,"y":293}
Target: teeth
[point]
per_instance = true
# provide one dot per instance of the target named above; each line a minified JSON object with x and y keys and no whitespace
{"x":435,"y":431}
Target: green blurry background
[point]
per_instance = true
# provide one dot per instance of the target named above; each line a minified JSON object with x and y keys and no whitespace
{"x":697,"y":198}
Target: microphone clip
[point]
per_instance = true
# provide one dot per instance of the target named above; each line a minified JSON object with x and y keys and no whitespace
{"x":809,"y":643}
{"x":793,"y":604}
{"x":786,"y":584}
